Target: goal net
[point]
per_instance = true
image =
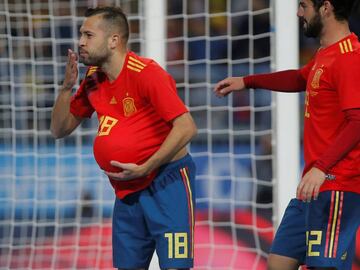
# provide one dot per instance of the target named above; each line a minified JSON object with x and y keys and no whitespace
{"x":208,"y":41}
{"x":55,"y":203}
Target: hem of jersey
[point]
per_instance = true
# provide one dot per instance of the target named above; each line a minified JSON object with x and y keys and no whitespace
{"x":337,"y":188}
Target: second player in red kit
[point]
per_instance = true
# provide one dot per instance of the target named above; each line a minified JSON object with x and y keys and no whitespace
{"x":319,"y":227}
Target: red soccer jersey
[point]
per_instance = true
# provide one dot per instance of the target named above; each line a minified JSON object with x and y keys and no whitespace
{"x":134,"y":113}
{"x":332,"y":87}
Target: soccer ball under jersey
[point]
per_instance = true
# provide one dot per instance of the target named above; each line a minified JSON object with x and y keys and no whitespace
{"x":134,"y":112}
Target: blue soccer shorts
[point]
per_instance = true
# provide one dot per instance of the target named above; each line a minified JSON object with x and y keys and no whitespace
{"x":321,"y":233}
{"x":160,"y":217}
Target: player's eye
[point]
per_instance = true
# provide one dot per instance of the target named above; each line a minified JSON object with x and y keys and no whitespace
{"x":86,"y":34}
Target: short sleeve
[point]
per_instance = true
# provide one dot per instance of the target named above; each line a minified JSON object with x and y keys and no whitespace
{"x":80,"y":105}
{"x":160,"y":89}
{"x":346,"y":75}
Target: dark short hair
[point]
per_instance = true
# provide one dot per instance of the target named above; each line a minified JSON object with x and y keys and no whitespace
{"x":342,"y":8}
{"x":114,"y":17}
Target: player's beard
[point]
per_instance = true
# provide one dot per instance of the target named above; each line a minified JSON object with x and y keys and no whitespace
{"x":97,"y":58}
{"x":313,"y":27}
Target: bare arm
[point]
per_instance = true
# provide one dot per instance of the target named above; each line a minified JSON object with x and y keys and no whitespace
{"x":182,"y":132}
{"x":62,"y":121}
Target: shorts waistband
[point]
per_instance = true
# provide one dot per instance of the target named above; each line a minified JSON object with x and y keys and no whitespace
{"x":175,"y":164}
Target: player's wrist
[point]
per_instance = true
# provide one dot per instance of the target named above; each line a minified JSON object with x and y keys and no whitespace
{"x":146,"y":169}
{"x":149,"y":166}
{"x":320,"y":166}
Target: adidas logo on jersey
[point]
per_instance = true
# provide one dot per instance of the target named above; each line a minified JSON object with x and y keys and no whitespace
{"x":343,"y":257}
{"x":113,"y":101}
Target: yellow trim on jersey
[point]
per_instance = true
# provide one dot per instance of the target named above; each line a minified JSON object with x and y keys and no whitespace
{"x":333,"y":227}
{"x":137,"y":61}
{"x":135,"y":65}
{"x":346,"y":46}
{"x":91,"y":70}
{"x":192,"y":211}
{"x":341,"y":48}
{"x":133,"y":68}
{"x":350,"y":45}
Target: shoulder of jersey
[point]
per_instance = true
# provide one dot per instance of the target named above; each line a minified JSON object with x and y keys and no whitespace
{"x":137,"y":64}
{"x":348,"y":46}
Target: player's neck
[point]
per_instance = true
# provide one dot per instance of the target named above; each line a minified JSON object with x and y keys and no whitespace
{"x":113,"y":67}
{"x":333,"y":32}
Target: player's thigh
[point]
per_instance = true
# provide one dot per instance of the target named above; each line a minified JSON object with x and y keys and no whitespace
{"x":169,"y":209}
{"x":290,"y":238}
{"x":133,"y":245}
{"x":278,"y":262}
{"x":332,"y":223}
{"x":132,"y":269}
{"x":177,"y":269}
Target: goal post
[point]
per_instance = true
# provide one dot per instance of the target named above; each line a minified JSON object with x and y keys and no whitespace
{"x":155,"y":27}
{"x":155,"y":48}
{"x":287,"y":119}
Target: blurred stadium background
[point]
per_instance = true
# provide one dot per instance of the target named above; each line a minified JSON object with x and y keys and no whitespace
{"x":56,"y":205}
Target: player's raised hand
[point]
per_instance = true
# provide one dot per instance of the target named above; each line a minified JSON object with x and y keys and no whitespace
{"x":310,"y":184}
{"x":128,"y":171}
{"x":228,"y":85}
{"x":71,"y":71}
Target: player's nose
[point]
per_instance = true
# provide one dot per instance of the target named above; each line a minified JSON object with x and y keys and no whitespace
{"x":300,"y":12}
{"x":82,"y":41}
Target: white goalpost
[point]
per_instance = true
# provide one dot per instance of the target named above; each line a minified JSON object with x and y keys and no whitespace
{"x":55,"y":203}
{"x":155,"y":35}
{"x":287,"y":108}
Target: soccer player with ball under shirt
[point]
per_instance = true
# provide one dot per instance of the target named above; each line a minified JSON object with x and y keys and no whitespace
{"x":144,"y":128}
{"x":319,"y":227}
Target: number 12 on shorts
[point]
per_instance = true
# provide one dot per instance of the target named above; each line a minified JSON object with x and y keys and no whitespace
{"x":177,"y":245}
{"x":314,"y":241}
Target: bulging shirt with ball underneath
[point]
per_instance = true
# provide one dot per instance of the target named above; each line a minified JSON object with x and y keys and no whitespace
{"x":134,"y":112}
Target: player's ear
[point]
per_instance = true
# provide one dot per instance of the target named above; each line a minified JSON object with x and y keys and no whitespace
{"x":327,"y":7}
{"x":114,"y":41}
